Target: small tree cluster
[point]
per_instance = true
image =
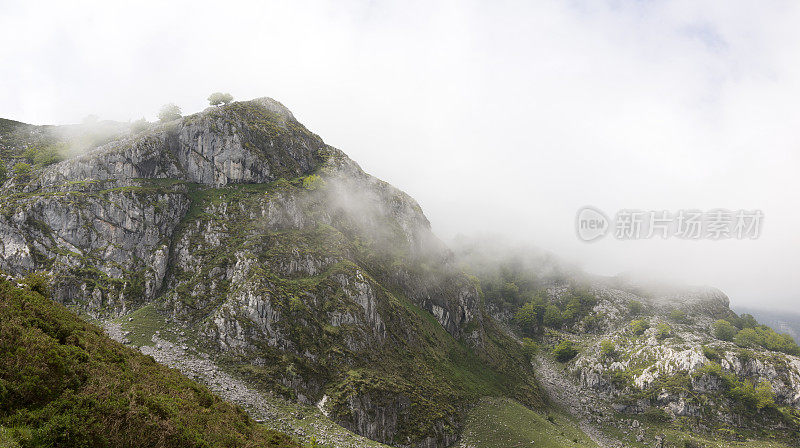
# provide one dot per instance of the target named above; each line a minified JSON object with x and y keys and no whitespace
{"x":608,"y":349}
{"x":639,"y":326}
{"x":219,"y":98}
{"x":564,"y":351}
{"x":169,"y":112}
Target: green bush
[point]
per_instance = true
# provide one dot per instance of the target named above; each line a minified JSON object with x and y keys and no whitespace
{"x":723,"y":330}
{"x":663,"y":331}
{"x":553,"y":317}
{"x":678,"y":316}
{"x":608,"y":349}
{"x":21,"y":169}
{"x":3,"y":172}
{"x":565,"y":351}
{"x":638,"y":327}
{"x":635,"y":307}
{"x":529,"y":347}
{"x":767,"y":338}
{"x":711,"y":354}
{"x":39,"y":282}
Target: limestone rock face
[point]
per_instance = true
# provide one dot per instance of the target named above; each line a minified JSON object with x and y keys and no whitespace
{"x":272,"y":252}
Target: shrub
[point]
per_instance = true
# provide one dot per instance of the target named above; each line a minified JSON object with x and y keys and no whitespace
{"x":3,"y":172}
{"x":751,"y":397}
{"x":531,"y":316}
{"x":711,"y":354}
{"x":747,"y":337}
{"x":529,"y":347}
{"x":723,"y":330}
{"x":663,"y":331}
{"x":767,"y":338}
{"x":608,"y":349}
{"x":21,"y":169}
{"x":39,"y":282}
{"x":553,"y":317}
{"x":169,"y":112}
{"x":638,"y":327}
{"x":678,"y":316}
{"x":564,"y":351}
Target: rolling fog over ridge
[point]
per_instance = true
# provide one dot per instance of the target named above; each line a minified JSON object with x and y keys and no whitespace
{"x":642,"y":106}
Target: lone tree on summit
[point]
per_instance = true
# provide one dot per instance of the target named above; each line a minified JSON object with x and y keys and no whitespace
{"x":217,"y":98}
{"x":169,"y":112}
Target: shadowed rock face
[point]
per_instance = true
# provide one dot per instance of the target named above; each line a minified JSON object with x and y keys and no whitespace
{"x":275,"y":253}
{"x":251,"y":142}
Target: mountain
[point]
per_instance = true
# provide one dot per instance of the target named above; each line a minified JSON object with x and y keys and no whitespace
{"x":237,"y":247}
{"x":647,"y":365}
{"x":63,"y":382}
{"x":238,"y":233}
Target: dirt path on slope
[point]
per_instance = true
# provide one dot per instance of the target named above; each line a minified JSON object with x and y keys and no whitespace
{"x":575,"y":400}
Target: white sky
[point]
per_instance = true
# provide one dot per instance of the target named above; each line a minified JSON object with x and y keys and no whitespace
{"x":497,"y":116}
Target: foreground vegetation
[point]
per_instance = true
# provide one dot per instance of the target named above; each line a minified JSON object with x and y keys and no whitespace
{"x":64,"y":383}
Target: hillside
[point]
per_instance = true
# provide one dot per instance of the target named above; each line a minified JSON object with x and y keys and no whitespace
{"x":237,"y":247}
{"x":64,"y":383}
{"x":645,"y":366}
{"x":244,"y":237}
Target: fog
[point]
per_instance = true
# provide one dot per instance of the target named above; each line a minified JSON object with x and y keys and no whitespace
{"x":498,"y":117}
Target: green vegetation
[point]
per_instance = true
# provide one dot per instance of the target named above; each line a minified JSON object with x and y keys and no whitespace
{"x":679,"y":316}
{"x":639,"y":326}
{"x":530,"y":347}
{"x":745,"y":332}
{"x":537,"y":313}
{"x":663,"y":331}
{"x":3,"y":172}
{"x":565,"y":351}
{"x":635,"y":307}
{"x":552,"y":317}
{"x":44,"y":154}
{"x":504,"y":423}
{"x":724,"y":330}
{"x":712,"y":354}
{"x":219,"y":98}
{"x":748,"y":397}
{"x":169,"y":112}
{"x":21,"y":170}
{"x":64,"y":383}
{"x":608,"y":349}
{"x":142,"y":324}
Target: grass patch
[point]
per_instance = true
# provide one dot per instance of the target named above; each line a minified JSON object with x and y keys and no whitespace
{"x":504,"y":423}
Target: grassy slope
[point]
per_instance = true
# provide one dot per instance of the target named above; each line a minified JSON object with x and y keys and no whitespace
{"x":64,"y":383}
{"x":504,"y":423}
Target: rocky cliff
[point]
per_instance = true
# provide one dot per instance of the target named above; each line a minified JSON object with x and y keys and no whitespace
{"x":643,"y":362}
{"x":255,"y":242}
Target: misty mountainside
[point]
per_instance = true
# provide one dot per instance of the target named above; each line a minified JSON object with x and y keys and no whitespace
{"x":241,"y":236}
{"x":653,"y":365}
{"x":237,"y":247}
{"x":63,"y":382}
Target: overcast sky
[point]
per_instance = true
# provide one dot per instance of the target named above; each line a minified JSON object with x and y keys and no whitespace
{"x":498,"y":117}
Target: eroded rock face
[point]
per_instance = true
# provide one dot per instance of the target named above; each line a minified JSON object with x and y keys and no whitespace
{"x":675,"y":368}
{"x":217,"y":221}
